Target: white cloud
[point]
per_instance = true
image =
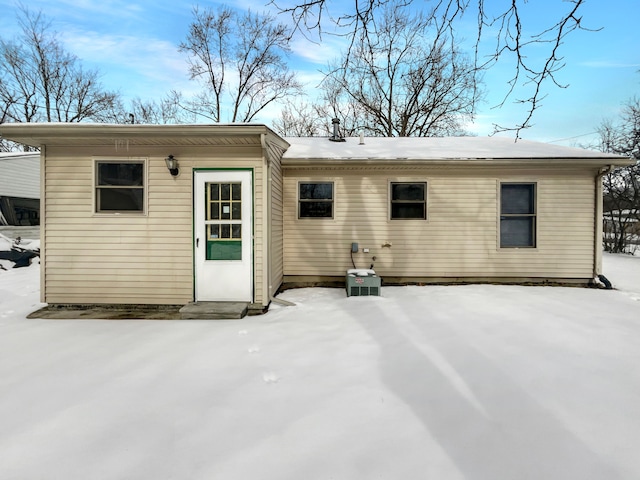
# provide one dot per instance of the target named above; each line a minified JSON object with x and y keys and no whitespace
{"x":609,"y":64}
{"x":311,"y":79}
{"x":137,"y":66}
{"x":319,"y":53}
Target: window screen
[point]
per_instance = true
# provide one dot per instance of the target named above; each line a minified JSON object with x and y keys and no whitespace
{"x":517,"y":215}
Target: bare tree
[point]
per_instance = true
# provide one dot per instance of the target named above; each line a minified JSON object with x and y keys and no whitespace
{"x":240,"y":60}
{"x":166,"y":110}
{"x":298,"y":120}
{"x":407,"y":76}
{"x":336,"y":103}
{"x":502,"y":22}
{"x":316,"y":119}
{"x":41,"y":81}
{"x":622,"y":186}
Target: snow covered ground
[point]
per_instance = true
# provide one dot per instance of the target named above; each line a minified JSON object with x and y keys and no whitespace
{"x":456,"y":382}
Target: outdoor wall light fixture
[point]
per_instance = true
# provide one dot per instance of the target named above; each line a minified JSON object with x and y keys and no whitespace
{"x":172,"y":165}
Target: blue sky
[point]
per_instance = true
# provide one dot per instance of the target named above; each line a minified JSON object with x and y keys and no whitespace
{"x":134,"y":44}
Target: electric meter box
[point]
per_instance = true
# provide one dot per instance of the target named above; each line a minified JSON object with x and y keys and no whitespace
{"x":362,"y":282}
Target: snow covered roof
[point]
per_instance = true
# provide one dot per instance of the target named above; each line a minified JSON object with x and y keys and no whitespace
{"x":494,"y":150}
{"x":20,"y":175}
{"x":436,"y":148}
{"x":97,"y":134}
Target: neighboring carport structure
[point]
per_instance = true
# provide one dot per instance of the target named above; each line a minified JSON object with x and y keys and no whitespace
{"x":20,"y":188}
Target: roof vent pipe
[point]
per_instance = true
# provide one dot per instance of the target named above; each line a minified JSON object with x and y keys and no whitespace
{"x":336,"y":131}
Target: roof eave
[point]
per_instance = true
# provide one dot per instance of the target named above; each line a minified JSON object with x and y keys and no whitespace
{"x":528,"y":161}
{"x":39,"y":134}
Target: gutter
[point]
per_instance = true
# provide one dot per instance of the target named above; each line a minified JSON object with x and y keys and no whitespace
{"x":322,"y":163}
{"x":597,"y":227}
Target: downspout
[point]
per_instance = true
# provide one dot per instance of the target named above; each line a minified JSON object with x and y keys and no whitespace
{"x":265,"y":154}
{"x":597,"y":241}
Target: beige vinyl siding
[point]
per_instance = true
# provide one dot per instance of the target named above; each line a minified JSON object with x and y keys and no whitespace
{"x":129,"y":258}
{"x":277,"y":226}
{"x":460,"y":237}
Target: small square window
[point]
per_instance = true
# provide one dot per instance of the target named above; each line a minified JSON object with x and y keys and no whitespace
{"x":119,"y":186}
{"x":315,"y":200}
{"x":517,"y":215}
{"x":408,"y":200}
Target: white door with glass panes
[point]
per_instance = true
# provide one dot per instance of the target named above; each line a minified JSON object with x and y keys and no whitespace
{"x":223,"y":235}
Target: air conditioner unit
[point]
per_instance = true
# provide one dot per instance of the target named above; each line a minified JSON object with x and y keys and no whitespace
{"x":362,"y":282}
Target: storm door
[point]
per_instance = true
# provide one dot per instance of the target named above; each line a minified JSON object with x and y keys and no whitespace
{"x":223,"y":235}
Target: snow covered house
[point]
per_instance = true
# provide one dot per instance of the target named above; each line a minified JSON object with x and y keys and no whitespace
{"x":20,"y":188}
{"x":169,"y":214}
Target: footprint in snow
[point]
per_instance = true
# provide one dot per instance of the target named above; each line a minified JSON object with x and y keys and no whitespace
{"x":270,"y":377}
{"x":253,"y":349}
{"x":242,"y":332}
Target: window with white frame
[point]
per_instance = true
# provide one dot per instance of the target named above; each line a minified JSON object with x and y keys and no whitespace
{"x":315,"y":200}
{"x":119,"y":186}
{"x":408,"y":200}
{"x":517,"y":215}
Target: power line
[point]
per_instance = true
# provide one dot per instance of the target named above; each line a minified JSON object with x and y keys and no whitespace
{"x":572,"y":138}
